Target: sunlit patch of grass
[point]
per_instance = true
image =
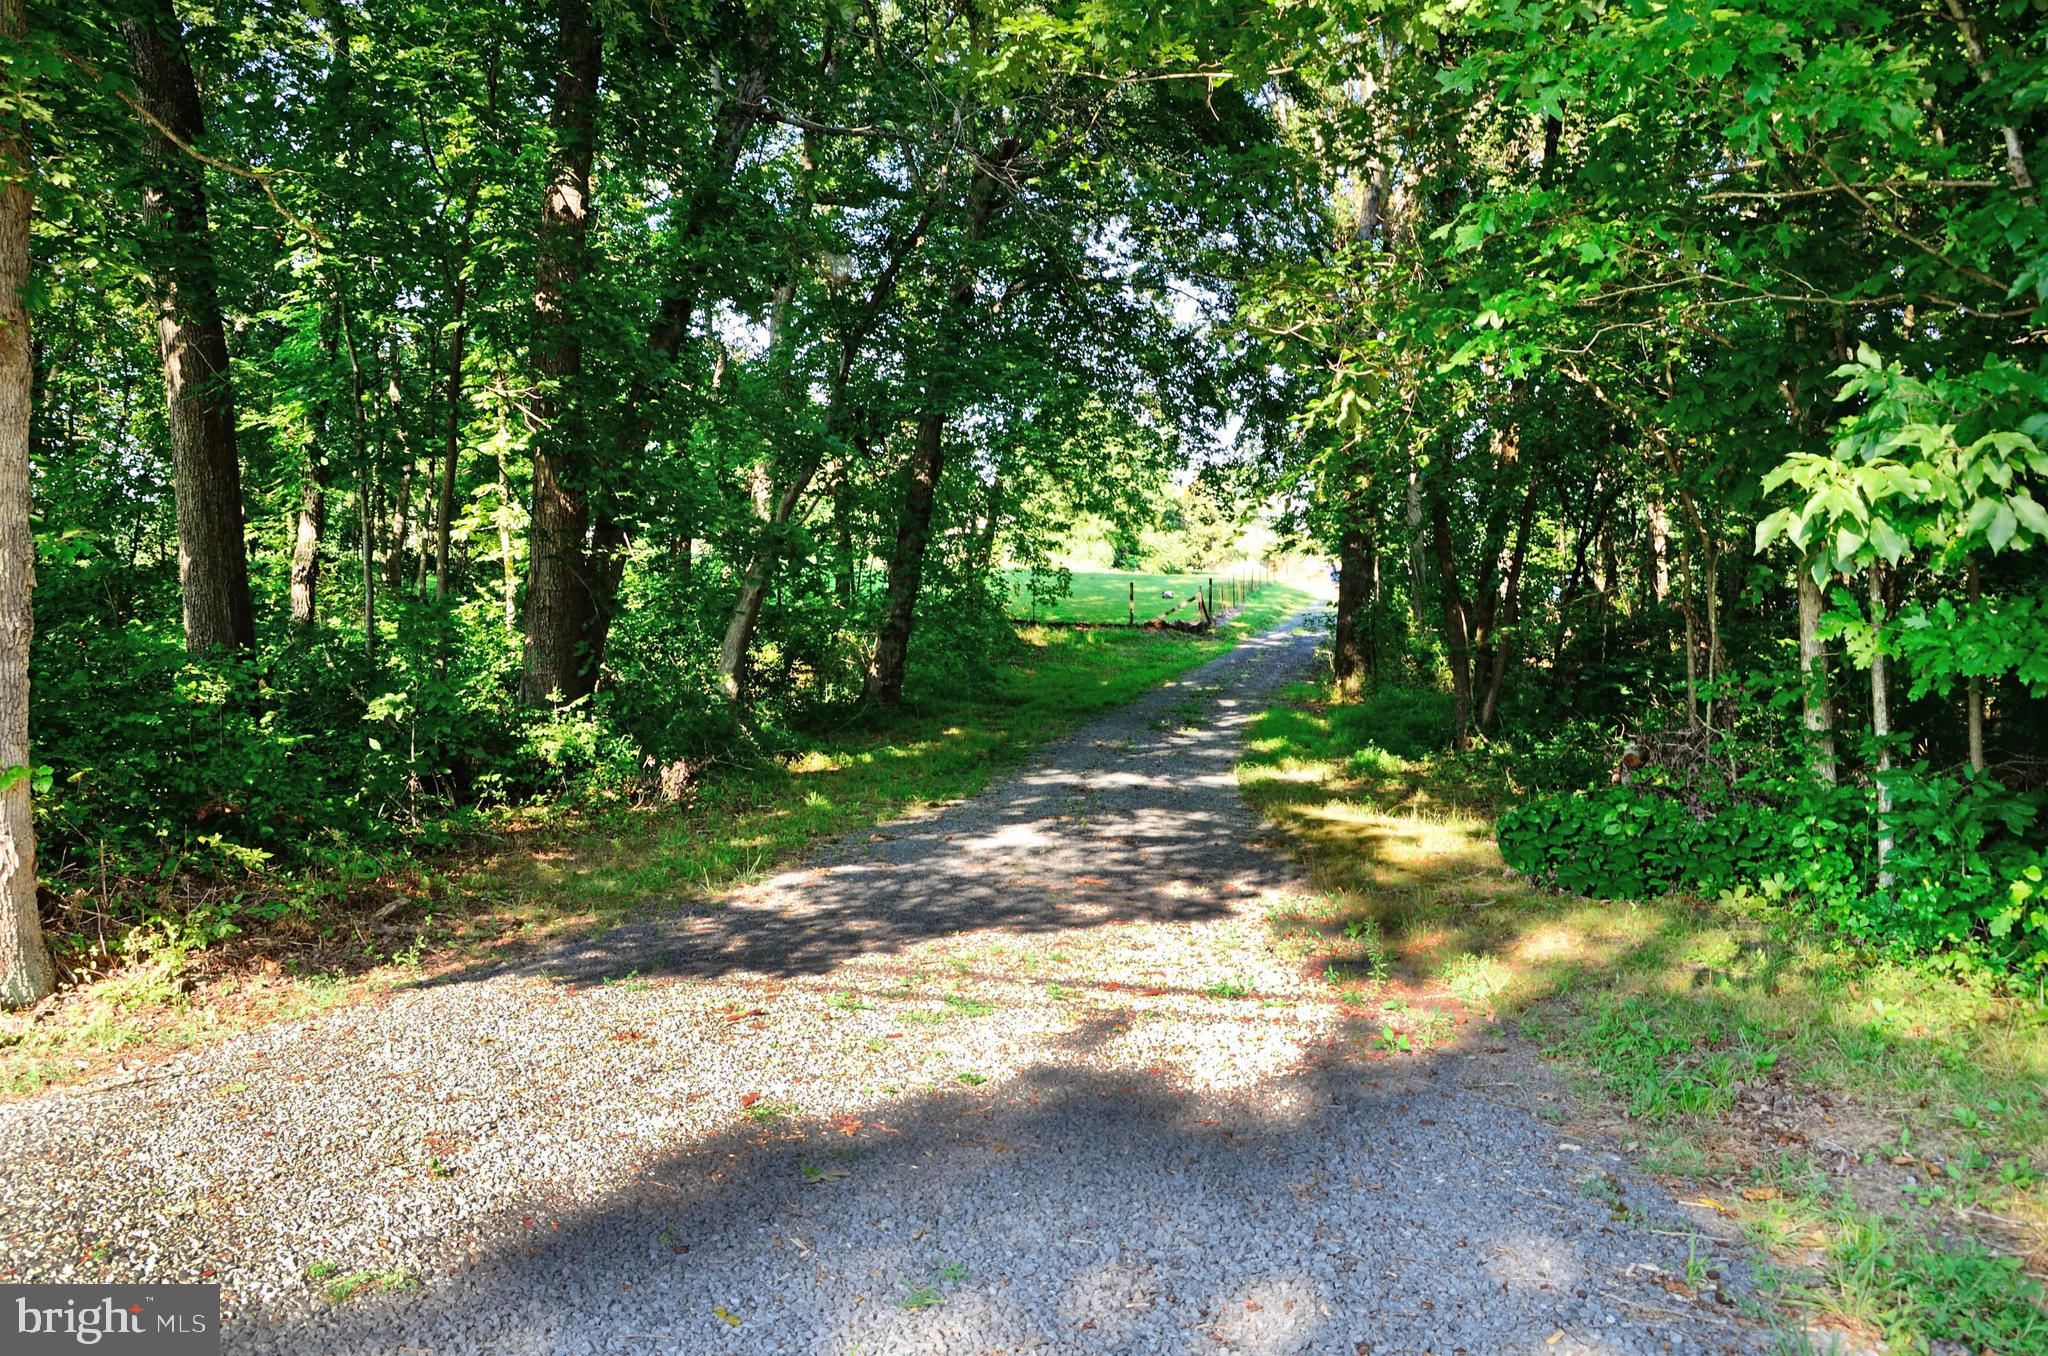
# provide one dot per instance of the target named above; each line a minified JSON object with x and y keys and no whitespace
{"x":1673,"y":1012}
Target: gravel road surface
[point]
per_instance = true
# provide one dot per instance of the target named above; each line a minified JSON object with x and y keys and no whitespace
{"x":1018,"y":1076}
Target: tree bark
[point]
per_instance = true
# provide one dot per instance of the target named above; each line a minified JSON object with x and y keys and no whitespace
{"x":1658,"y":571}
{"x":1417,"y":571}
{"x":1881,"y":725}
{"x":1980,"y":61}
{"x":755,"y":577}
{"x":366,"y":507}
{"x":1350,"y":665}
{"x":1813,"y":668}
{"x":451,"y":450}
{"x":559,"y":606}
{"x":985,"y":545}
{"x":25,"y":971}
{"x":776,"y":507}
{"x":401,"y":523}
{"x":906,"y":560}
{"x":1502,"y":637}
{"x":1457,"y":638}
{"x":213,"y":562}
{"x":312,"y":526}
{"x":1974,"y":701}
{"x":509,"y":574}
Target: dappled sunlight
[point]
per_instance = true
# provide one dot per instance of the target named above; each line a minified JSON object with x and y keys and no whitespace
{"x":1245,"y":1117}
{"x":1549,"y":944}
{"x":1754,"y":1045}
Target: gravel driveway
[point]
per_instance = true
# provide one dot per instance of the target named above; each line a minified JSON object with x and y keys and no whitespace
{"x":1022,"y":1075}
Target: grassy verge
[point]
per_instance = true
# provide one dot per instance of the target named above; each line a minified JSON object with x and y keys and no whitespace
{"x":547,"y":872}
{"x":1870,"y":1130}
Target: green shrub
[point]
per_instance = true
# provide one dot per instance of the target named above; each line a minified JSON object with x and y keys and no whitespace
{"x":1957,"y":876}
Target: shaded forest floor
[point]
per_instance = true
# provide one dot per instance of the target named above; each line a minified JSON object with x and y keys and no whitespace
{"x":1874,"y":1132}
{"x":540,"y":872}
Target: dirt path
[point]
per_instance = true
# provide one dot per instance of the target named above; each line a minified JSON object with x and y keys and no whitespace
{"x":1018,"y":1076}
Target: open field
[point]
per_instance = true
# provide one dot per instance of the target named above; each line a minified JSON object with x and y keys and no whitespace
{"x":1106,"y":595}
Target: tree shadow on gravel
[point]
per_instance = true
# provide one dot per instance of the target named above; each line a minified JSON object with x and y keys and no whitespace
{"x":1136,"y":818}
{"x":1343,"y":1205}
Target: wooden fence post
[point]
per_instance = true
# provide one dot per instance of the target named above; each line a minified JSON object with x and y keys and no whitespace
{"x":1133,"y":619}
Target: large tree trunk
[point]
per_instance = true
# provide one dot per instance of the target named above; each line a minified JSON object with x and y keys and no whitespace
{"x":1813,"y":667}
{"x":559,"y":606}
{"x":25,"y":972}
{"x":1350,"y":665}
{"x":213,"y":563}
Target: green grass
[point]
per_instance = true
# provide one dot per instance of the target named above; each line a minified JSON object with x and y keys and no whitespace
{"x":1105,"y":595}
{"x":1923,"y":1223}
{"x":340,"y":1287}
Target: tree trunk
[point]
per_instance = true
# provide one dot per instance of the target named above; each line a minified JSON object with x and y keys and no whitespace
{"x":508,"y":571}
{"x":1880,"y":725}
{"x":213,"y":562}
{"x":1503,"y":636}
{"x":755,"y":577}
{"x":25,"y":971}
{"x":906,"y":561}
{"x":312,"y":526}
{"x":1980,"y":61}
{"x":1349,"y":663}
{"x":927,"y":457}
{"x":451,"y":450}
{"x":607,"y":566}
{"x":1813,"y":668}
{"x":401,"y":524}
{"x":559,"y":607}
{"x":1658,"y":573}
{"x":1417,"y":571}
{"x":366,"y":505}
{"x":1457,"y":639}
{"x":1975,"y":699}
{"x":985,"y":546}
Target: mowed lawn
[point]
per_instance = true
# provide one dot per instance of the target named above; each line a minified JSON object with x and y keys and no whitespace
{"x":1105,"y":595}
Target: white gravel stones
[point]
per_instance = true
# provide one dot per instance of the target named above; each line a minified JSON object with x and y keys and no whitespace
{"x":953,"y":1087}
